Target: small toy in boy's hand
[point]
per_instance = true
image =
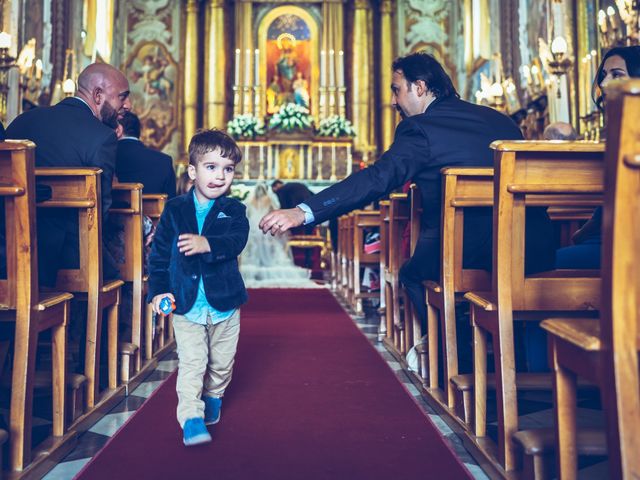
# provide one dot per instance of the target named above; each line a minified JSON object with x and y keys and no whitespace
{"x":167,"y":306}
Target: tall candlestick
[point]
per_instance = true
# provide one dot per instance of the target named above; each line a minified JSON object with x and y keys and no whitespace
{"x":247,"y":66}
{"x":341,"y":68}
{"x":332,"y":69}
{"x":237,"y":73}
{"x":256,"y":67}
{"x":323,"y":68}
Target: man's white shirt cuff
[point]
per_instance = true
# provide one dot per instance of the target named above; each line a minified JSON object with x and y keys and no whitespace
{"x":308,"y":214}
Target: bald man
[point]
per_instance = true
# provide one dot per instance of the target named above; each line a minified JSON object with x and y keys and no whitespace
{"x":77,"y":132}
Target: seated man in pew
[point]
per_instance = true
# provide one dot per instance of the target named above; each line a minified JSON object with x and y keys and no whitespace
{"x":77,"y":132}
{"x":438,"y":130}
{"x":137,"y":163}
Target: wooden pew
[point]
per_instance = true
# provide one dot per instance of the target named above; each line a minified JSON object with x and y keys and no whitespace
{"x":384,"y":259}
{"x":395,"y":297}
{"x":79,"y":189}
{"x":362,"y":220}
{"x":152,"y":207}
{"x":605,"y":350}
{"x":21,"y":302}
{"x":527,"y":174}
{"x":348,"y":259}
{"x":127,"y":212}
{"x":462,"y":188}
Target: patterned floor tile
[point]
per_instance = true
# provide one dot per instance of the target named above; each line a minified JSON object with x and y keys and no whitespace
{"x":146,"y":389}
{"x":66,"y":470}
{"x":110,"y":423}
{"x":88,"y":445}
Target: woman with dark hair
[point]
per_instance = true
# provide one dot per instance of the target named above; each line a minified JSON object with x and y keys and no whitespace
{"x":619,"y":62}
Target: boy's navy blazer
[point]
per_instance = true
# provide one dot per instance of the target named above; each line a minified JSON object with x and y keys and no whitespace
{"x":226,"y":228}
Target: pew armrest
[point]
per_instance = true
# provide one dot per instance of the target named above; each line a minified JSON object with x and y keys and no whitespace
{"x":581,"y":332}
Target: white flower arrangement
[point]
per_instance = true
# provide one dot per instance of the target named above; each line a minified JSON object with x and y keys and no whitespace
{"x":335,"y":126}
{"x":240,"y":192}
{"x":291,"y":117}
{"x":245,"y":126}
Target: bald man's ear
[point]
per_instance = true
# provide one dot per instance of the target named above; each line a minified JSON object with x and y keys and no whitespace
{"x":97,"y":95}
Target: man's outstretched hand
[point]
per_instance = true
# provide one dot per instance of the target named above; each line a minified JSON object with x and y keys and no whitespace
{"x":280,"y":221}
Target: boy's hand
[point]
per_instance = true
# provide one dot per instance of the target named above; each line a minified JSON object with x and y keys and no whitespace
{"x":155,"y":303}
{"x":192,"y":244}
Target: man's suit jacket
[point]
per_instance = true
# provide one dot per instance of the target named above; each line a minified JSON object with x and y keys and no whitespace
{"x":450,"y":133}
{"x":137,"y":163}
{"x":292,"y":194}
{"x":66,"y":135}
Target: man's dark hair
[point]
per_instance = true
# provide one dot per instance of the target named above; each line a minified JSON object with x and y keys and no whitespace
{"x":276,"y":183}
{"x":130,"y":125}
{"x":205,"y":141}
{"x":422,"y":66}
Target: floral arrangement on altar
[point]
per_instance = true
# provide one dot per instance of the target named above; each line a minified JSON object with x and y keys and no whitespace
{"x":335,"y":126}
{"x":239,"y":191}
{"x":245,"y":126}
{"x":291,"y":117}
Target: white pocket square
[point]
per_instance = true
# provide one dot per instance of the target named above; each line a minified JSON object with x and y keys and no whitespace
{"x":222,"y":215}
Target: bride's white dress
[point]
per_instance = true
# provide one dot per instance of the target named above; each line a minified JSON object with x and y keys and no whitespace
{"x":266,"y":261}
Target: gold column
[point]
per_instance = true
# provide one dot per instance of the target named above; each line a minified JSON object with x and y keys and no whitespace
{"x":190,"y":113}
{"x":244,"y":41}
{"x":215,"y":67}
{"x":360,"y":81}
{"x":388,"y":114}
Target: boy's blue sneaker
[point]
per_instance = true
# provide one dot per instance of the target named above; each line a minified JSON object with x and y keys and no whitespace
{"x":212,"y":407}
{"x":195,"y":432}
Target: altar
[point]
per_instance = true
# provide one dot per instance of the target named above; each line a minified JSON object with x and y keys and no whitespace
{"x":296,"y":159}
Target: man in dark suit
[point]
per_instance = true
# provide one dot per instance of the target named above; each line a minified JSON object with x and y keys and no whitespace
{"x":136,"y":162}
{"x":438,"y":130}
{"x":77,"y":132}
{"x":290,"y":194}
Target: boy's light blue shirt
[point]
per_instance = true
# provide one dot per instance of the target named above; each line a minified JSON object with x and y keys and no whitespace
{"x":201,"y":309}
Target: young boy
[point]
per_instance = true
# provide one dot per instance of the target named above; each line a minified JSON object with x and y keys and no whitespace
{"x":194,"y":263}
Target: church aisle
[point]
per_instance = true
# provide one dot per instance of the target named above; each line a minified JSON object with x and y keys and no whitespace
{"x":310,"y":399}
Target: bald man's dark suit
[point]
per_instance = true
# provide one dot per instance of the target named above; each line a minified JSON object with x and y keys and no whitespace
{"x":450,"y":133}
{"x":66,"y":135}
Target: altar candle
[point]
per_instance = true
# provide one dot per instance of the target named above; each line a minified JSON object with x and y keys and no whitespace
{"x":341,"y":68}
{"x":613,"y":18}
{"x":594,"y":65}
{"x":332,"y":69}
{"x":602,"y":21}
{"x":247,"y":66}
{"x":323,"y":68}
{"x":237,"y":74}
{"x":257,"y":67}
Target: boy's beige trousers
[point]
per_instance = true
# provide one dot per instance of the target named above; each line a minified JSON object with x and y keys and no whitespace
{"x":205,"y":362}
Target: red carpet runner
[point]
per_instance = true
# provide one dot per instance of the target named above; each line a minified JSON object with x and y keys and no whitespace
{"x":310,"y":399}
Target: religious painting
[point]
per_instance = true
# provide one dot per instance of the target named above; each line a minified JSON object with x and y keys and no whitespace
{"x":288,"y":53}
{"x":153,"y":80}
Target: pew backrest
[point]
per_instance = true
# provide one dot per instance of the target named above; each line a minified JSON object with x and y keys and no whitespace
{"x":78,"y":189}
{"x":17,"y":188}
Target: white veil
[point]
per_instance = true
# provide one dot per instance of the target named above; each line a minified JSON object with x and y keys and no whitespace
{"x":266,"y":260}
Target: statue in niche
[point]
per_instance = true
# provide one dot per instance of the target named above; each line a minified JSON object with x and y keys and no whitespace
{"x":274,"y":95}
{"x":301,"y":90}
{"x":287,"y":64}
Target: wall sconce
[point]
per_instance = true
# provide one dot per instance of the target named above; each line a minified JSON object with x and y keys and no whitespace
{"x":68,"y":87}
{"x":6,"y":63}
{"x":556,"y":60}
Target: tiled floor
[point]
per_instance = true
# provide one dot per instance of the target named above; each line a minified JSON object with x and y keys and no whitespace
{"x":97,"y":436}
